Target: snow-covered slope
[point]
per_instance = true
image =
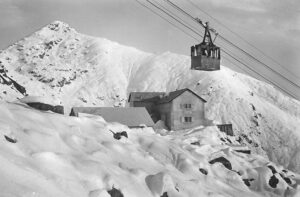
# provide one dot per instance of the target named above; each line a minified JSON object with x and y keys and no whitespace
{"x":51,"y":155}
{"x":74,"y":69}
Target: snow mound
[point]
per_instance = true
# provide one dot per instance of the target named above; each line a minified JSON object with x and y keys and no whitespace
{"x":56,"y":155}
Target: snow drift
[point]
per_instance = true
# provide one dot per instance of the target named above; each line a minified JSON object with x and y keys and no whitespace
{"x":55,"y":155}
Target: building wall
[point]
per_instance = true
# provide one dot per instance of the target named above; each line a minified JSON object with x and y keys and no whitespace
{"x":178,"y":112}
{"x":148,"y":105}
{"x":165,"y":110}
{"x":226,"y":128}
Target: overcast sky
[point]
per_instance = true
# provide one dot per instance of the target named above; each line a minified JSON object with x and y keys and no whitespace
{"x":273,"y":26}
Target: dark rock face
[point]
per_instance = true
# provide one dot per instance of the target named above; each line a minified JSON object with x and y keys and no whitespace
{"x":272,"y":169}
{"x":118,"y":135}
{"x":288,"y":180}
{"x":203,"y":171}
{"x":20,"y":88}
{"x":243,"y":151}
{"x":273,"y":181}
{"x":195,"y":143}
{"x":124,"y":133}
{"x":58,"y":109}
{"x":4,"y":79}
{"x":222,"y":160}
{"x":46,"y":107}
{"x":165,"y":194}
{"x":248,"y":181}
{"x":115,"y":192}
{"x":10,"y":139}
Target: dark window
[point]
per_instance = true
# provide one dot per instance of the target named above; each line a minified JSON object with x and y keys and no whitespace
{"x":187,"y":106}
{"x":187,"y":119}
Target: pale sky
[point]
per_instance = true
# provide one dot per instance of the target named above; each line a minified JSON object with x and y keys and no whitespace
{"x":271,"y":25}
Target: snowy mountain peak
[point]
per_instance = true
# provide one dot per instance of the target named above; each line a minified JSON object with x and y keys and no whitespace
{"x":55,"y":29}
{"x":59,"y":26}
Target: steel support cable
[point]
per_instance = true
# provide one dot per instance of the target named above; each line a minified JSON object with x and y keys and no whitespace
{"x":241,"y":68}
{"x":166,"y":10}
{"x":276,"y":85}
{"x":239,"y":36}
{"x":184,"y":12}
{"x":157,"y":7}
{"x":201,"y":36}
{"x":227,"y":53}
{"x":235,"y":46}
{"x":187,"y":33}
{"x":257,"y":60}
{"x":165,"y":19}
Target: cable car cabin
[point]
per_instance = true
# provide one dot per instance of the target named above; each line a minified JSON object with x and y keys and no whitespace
{"x":205,"y":56}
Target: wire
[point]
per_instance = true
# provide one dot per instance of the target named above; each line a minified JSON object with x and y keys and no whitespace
{"x":186,"y":32}
{"x":275,"y":84}
{"x":239,"y":36}
{"x":235,"y":46}
{"x":257,"y":60}
{"x":227,"y":53}
{"x":173,"y":17}
{"x":166,"y":19}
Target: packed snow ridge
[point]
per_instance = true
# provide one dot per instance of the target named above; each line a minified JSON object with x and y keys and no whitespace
{"x":48,"y":154}
{"x":73,"y":69}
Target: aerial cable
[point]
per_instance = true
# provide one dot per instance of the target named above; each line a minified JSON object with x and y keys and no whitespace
{"x":173,"y":17}
{"x":276,"y":85}
{"x":184,"y":12}
{"x":227,"y":53}
{"x":241,"y":68}
{"x":254,"y":71}
{"x":164,"y":18}
{"x":257,"y":60}
{"x":229,"y":42}
{"x":236,"y":34}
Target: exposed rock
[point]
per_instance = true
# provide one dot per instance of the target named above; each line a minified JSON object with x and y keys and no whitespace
{"x":115,"y":192}
{"x":46,"y":107}
{"x":222,"y":160}
{"x":273,"y":181}
{"x":203,"y":171}
{"x":272,"y":169}
{"x":247,"y":182}
{"x":10,"y":139}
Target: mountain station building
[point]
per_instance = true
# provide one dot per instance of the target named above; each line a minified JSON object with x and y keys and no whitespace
{"x":180,"y":109}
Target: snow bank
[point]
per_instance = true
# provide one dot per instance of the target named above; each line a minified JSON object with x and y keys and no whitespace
{"x":56,"y":155}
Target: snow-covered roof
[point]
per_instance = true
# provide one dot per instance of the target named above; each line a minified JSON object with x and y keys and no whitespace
{"x":130,"y":116}
{"x":144,"y":96}
{"x":160,"y":97}
{"x":37,"y":99}
{"x":172,"y":95}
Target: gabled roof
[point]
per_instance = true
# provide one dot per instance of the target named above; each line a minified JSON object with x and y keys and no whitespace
{"x":172,"y":95}
{"x":144,"y":96}
{"x":130,"y":116}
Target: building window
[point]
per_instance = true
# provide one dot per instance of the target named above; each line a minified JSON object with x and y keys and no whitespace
{"x":187,"y":106}
{"x":188,"y":119}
